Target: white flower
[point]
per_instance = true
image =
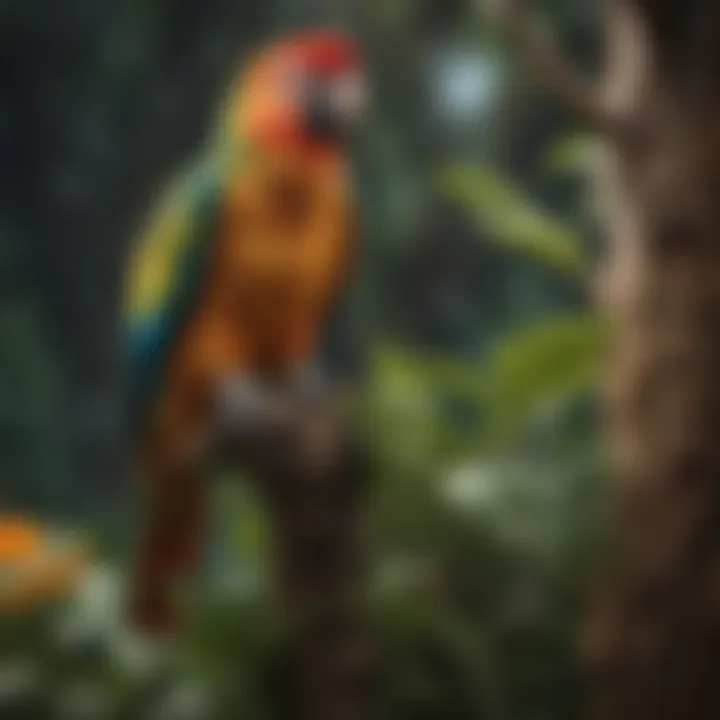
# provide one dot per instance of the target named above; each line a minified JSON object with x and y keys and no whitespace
{"x":471,"y":486}
{"x":95,"y":609}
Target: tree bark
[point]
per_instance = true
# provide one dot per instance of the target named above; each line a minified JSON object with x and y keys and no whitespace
{"x":654,"y":641}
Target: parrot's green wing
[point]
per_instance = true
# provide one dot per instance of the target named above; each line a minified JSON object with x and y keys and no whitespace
{"x":166,"y":274}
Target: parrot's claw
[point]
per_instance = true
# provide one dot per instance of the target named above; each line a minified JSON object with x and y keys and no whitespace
{"x":240,"y":401}
{"x":310,"y":383}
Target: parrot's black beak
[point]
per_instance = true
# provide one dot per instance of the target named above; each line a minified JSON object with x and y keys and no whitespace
{"x":334,"y":109}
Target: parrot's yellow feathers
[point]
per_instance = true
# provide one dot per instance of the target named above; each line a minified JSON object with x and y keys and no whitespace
{"x":152,"y":271}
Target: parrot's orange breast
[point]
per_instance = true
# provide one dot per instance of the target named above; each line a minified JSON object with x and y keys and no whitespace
{"x":284,"y":247}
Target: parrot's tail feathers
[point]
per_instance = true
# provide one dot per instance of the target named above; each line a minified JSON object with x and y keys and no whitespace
{"x":168,"y":554}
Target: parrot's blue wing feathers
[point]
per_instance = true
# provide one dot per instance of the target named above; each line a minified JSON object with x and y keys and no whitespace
{"x":166,"y":275}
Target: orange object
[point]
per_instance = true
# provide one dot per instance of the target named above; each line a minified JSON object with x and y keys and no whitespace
{"x":19,"y":540}
{"x":32,"y":571}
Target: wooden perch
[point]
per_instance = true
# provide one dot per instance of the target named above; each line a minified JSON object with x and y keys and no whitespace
{"x":552,"y":68}
{"x":312,"y":472}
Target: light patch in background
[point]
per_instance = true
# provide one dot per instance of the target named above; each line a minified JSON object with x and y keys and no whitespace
{"x":94,"y":612}
{"x":472,"y":486}
{"x":465,"y":83}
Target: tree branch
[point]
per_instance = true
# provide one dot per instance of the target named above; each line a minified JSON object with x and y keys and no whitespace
{"x":312,"y":469}
{"x":552,"y":68}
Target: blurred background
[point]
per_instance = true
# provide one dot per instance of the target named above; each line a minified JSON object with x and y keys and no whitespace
{"x":473,"y":325}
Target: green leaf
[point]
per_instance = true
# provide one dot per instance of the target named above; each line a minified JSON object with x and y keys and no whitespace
{"x":434,"y":371}
{"x":574,"y":155}
{"x":513,"y":221}
{"x":541,"y":367}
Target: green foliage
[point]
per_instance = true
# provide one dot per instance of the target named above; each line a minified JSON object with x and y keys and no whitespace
{"x":513,"y":222}
{"x":541,"y":368}
{"x":532,"y":372}
{"x":573,"y":155}
{"x":481,"y":559}
{"x":547,"y":365}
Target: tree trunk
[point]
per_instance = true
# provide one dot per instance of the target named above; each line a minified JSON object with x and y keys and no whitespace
{"x":655,"y":640}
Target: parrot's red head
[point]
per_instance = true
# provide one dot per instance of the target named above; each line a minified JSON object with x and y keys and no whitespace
{"x":303,"y":95}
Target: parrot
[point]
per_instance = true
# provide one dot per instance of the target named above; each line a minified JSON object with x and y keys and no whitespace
{"x":234,"y":283}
